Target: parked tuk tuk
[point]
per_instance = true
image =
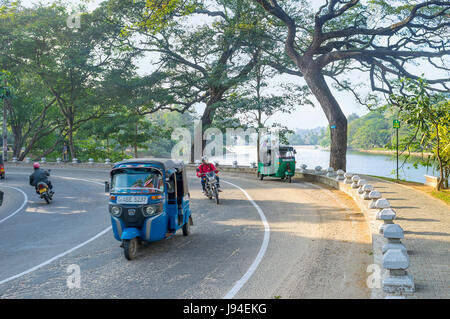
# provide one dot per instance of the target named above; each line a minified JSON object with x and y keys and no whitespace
{"x":277,"y":162}
{"x":149,"y":201}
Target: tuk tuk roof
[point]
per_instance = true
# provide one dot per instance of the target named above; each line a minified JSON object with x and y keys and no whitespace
{"x":165,"y":163}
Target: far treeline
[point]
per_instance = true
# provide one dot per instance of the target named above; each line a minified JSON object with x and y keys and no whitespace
{"x":116,"y":81}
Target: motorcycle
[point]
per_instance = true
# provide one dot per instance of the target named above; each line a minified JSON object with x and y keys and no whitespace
{"x":212,"y":186}
{"x":44,"y":192}
{"x":2,"y":171}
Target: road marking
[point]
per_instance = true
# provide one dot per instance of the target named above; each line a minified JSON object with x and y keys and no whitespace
{"x":56,"y":257}
{"x":241,"y":282}
{"x":25,"y":201}
{"x":62,"y":254}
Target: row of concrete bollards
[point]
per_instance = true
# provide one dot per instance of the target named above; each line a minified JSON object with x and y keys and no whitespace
{"x":59,"y":160}
{"x":397,"y":281}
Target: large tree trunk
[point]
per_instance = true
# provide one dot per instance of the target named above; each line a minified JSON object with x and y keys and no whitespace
{"x":71,"y":140}
{"x":206,"y":121}
{"x":333,"y":112}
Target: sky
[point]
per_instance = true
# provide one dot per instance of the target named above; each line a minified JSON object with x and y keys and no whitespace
{"x":305,"y":116}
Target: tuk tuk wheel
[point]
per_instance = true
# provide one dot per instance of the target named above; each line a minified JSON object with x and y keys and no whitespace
{"x":130,"y":247}
{"x":187,"y":227}
{"x":261,"y":176}
{"x":290,"y":179}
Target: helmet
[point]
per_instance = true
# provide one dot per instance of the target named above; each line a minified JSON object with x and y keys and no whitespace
{"x":204,"y":159}
{"x":36,"y":165}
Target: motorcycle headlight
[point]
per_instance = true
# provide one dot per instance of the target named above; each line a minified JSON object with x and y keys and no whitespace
{"x":116,"y":211}
{"x":149,"y":211}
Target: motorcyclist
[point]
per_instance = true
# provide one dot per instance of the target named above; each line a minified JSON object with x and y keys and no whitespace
{"x":40,"y":175}
{"x":204,"y":168}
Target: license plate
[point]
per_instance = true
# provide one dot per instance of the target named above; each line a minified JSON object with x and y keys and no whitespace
{"x":131,"y":199}
{"x":42,"y":190}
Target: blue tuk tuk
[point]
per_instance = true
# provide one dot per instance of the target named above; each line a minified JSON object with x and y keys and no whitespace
{"x":148,"y":201}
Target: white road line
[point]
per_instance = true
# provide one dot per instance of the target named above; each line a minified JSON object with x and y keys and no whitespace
{"x":241,"y":282}
{"x":25,"y":201}
{"x":62,"y":254}
{"x":56,"y":257}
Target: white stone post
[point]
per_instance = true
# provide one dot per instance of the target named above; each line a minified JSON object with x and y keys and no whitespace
{"x":318,"y":170}
{"x":43,"y":160}
{"x":394,"y":234}
{"x":330,"y":172}
{"x":75,"y":161}
{"x":340,"y":175}
{"x":398,"y":280}
{"x":107,"y":161}
{"x":374,"y":196}
{"x":355,"y":180}
{"x":367,"y":188}
{"x":361,"y":183}
{"x":58,"y":160}
{"x":235,"y":164}
{"x":387,"y":215}
{"x":348,"y":178}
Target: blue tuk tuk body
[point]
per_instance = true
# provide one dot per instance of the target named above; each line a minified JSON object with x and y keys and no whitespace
{"x":149,"y":201}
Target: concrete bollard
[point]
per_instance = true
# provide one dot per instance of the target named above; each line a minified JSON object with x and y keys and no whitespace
{"x":91,"y":161}
{"x":58,"y":160}
{"x":394,"y":234}
{"x":398,"y":280}
{"x":382,"y":203}
{"x":43,"y":160}
{"x":318,"y":170}
{"x":253,"y":164}
{"x":374,"y":196}
{"x":14,"y":159}
{"x":235,"y":164}
{"x":387,"y":215}
{"x":75,"y":161}
{"x":197,"y":162}
{"x":107,"y":161}
{"x":348,"y":178}
{"x":366,"y":191}
{"x":28,"y":160}
{"x":361,"y":183}
{"x":355,"y":180}
{"x":303,"y":168}
{"x":340,"y":175}
{"x":330,"y":172}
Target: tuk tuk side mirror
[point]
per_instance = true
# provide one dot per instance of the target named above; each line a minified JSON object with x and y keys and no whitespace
{"x":107,"y":187}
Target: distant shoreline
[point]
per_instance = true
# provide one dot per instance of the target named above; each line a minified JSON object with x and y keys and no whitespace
{"x":379,"y":152}
{"x":392,"y":152}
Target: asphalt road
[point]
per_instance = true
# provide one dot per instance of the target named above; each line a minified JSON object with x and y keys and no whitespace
{"x":318,"y":244}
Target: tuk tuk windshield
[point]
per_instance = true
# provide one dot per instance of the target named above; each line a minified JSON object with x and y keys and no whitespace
{"x":137,"y":180}
{"x":286,"y":153}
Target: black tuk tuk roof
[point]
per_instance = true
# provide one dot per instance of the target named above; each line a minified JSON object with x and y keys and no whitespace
{"x":165,"y":163}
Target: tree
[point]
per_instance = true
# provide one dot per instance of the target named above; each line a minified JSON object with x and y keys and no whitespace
{"x":70,"y":63}
{"x":430,"y":114}
{"x":204,"y":63}
{"x":345,"y":35}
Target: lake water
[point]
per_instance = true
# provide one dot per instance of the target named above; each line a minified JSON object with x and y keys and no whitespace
{"x":357,"y":162}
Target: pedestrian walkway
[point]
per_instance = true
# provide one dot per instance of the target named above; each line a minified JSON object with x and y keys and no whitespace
{"x":426,"y":224}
